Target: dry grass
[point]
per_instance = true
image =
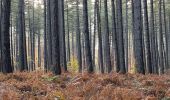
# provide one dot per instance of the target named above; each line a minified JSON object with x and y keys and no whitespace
{"x":40,"y":86}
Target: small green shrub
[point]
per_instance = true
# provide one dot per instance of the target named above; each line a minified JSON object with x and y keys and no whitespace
{"x":73,"y":65}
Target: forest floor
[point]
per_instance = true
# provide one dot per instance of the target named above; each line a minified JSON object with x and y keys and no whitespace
{"x":40,"y":86}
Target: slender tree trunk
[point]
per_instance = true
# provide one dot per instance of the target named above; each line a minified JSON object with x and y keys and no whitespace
{"x":17,"y":45}
{"x":94,"y":36}
{"x":30,"y":41}
{"x":146,"y":39}
{"x":168,"y":40}
{"x":100,"y":52}
{"x":160,"y":41}
{"x":72,"y":42}
{"x":49,"y":35}
{"x":106,"y":42}
{"x":114,"y":38}
{"x":78,"y":38}
{"x":0,"y":37}
{"x":87,"y":41}
{"x":33,"y":39}
{"x":39,"y":43}
{"x":120,"y":42}
{"x":166,"y":37}
{"x":156,"y":44}
{"x":45,"y":36}
{"x":126,"y":37}
{"x":62,"y":33}
{"x":68,"y":36}
{"x":153,"y":39}
{"x":11,"y":39}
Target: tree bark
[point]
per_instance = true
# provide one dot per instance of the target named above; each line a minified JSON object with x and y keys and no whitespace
{"x":56,"y":68}
{"x":5,"y":36}
{"x":137,"y":35}
{"x":121,"y":54}
{"x":107,"y":59}
{"x":87,"y":41}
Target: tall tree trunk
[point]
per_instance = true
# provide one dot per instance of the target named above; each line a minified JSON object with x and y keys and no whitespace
{"x":39,"y":43}
{"x":78,"y":38}
{"x":68,"y":36}
{"x":87,"y":41}
{"x":114,"y":38}
{"x":11,"y":39}
{"x":106,"y":42}
{"x":156,"y":44}
{"x":94,"y":35}
{"x":153,"y":39}
{"x":0,"y":37}
{"x":72,"y":41}
{"x":121,"y":57}
{"x":166,"y":37}
{"x":62,"y":33}
{"x":5,"y":36}
{"x":17,"y":44}
{"x":30,"y":41}
{"x":146,"y":39}
{"x":160,"y":41}
{"x":49,"y":35}
{"x":100,"y":52}
{"x":56,"y":68}
{"x":126,"y":34}
{"x":22,"y":39}
{"x":33,"y":37}
{"x":137,"y":35}
{"x":45,"y":36}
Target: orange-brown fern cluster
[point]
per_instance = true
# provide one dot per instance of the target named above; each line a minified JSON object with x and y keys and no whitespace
{"x":45,"y":86}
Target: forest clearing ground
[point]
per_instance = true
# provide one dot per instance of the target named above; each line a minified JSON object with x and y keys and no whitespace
{"x":40,"y":86}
